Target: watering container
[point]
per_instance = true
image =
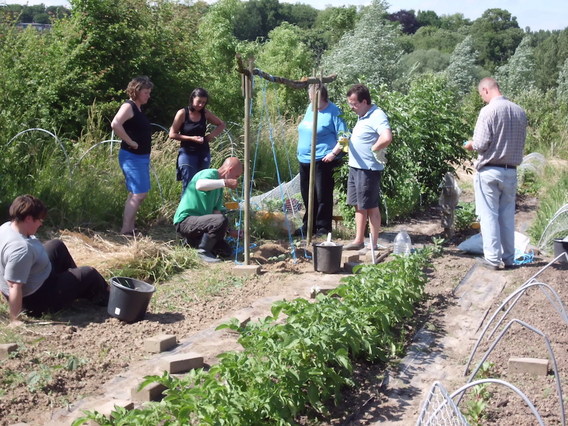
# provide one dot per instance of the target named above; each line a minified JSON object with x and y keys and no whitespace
{"x":327,"y":257}
{"x":402,"y":244}
{"x":129,"y":298}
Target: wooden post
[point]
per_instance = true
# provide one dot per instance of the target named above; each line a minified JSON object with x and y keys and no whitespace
{"x":310,"y":207}
{"x":246,"y":178}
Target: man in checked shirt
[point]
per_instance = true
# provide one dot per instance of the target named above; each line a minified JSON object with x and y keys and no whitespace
{"x":499,"y":139}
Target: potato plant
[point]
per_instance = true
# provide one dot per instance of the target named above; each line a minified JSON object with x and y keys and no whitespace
{"x":297,"y":360}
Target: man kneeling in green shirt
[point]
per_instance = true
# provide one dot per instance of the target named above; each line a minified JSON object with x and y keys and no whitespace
{"x":199,"y":218}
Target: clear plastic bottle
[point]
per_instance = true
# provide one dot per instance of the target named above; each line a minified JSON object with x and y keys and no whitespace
{"x":402,"y":243}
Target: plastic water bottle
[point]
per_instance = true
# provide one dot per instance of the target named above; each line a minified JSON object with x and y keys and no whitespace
{"x":402,"y":243}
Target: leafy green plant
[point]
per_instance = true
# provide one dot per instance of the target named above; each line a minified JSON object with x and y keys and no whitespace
{"x":464,"y":216}
{"x":476,"y":405}
{"x":297,"y":365}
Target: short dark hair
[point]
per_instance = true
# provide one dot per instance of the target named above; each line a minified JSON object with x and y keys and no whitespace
{"x":362,"y":93}
{"x":27,"y":205}
{"x":136,"y":85}
{"x":198,"y":92}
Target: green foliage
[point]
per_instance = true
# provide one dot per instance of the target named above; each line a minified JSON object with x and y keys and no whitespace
{"x":550,"y":51}
{"x":430,"y":37}
{"x":496,"y":35}
{"x":552,"y":196}
{"x":371,"y":51}
{"x":425,"y":145}
{"x":464,"y":216}
{"x":287,"y":56}
{"x":461,"y":73}
{"x":425,"y":61}
{"x":518,"y":74}
{"x":294,"y":367}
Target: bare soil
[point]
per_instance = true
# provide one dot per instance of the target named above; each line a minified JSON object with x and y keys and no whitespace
{"x":69,"y":357}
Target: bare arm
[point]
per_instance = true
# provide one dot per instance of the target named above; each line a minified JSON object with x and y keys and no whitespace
{"x":175,"y":129}
{"x":383,"y":141}
{"x":124,"y":113}
{"x":216,"y":121}
{"x":15,"y":300}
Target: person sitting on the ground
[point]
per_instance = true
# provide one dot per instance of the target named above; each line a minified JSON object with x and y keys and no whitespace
{"x":36,"y":277}
{"x":199,"y":218}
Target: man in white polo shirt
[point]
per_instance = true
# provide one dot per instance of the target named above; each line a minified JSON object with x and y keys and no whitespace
{"x":370,"y":136}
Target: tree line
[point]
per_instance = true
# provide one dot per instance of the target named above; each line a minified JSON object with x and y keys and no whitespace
{"x":71,"y":79}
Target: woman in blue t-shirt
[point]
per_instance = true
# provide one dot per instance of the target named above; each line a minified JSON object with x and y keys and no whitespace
{"x":189,"y":127}
{"x":133,"y":127}
{"x":329,"y":126}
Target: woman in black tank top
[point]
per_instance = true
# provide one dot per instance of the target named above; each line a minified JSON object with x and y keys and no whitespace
{"x":190,"y":127}
{"x":133,"y":127}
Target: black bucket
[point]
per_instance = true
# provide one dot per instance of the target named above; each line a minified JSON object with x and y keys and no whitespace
{"x":129,"y":298}
{"x":327,"y":259}
{"x":561,"y":246}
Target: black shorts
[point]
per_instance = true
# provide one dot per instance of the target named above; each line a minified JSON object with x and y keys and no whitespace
{"x":364,"y":188}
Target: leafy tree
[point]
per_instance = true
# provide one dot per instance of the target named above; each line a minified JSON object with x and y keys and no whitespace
{"x":429,"y":37}
{"x":287,"y":56}
{"x":425,"y":61}
{"x":371,"y":51}
{"x":549,"y":56}
{"x":518,"y":73}
{"x":455,"y":22}
{"x":562,"y":90}
{"x":496,"y":35}
{"x":334,"y":22}
{"x":299,"y":14}
{"x":461,"y":73}
{"x":406,"y":19}
{"x":428,"y":18}
{"x":256,"y":18}
{"x":217,"y":47}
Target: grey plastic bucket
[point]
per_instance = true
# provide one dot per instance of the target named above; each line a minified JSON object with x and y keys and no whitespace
{"x":327,"y":259}
{"x":561,"y":246}
{"x":129,"y":298}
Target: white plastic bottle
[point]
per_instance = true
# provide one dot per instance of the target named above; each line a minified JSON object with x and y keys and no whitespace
{"x":402,"y":243}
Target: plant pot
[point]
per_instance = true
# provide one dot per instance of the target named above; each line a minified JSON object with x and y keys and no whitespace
{"x":327,"y":258}
{"x":129,"y":298}
{"x":561,"y":246}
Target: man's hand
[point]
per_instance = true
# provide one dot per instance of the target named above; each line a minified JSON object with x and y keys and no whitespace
{"x":231,"y":183}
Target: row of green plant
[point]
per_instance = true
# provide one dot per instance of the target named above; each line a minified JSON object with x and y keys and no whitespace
{"x":297,"y":360}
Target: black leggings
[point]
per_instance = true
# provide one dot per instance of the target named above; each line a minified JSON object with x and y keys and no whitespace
{"x":66,"y":283}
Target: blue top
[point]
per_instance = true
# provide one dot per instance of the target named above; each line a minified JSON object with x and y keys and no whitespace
{"x":365,"y":134}
{"x":330,"y":124}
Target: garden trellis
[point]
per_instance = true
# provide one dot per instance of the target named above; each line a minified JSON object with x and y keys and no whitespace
{"x":248,"y":72}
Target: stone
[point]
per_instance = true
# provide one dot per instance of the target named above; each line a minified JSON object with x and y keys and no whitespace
{"x":247,"y":270}
{"x":534,"y":366}
{"x":6,"y":349}
{"x":348,"y":266}
{"x":152,"y":392}
{"x":160,"y":343}
{"x":107,"y":408}
{"x":347,"y":256}
{"x":181,"y":363}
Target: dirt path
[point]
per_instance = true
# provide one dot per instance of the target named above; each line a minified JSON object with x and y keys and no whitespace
{"x":111,"y":361}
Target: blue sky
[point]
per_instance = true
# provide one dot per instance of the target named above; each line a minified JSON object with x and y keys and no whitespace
{"x":538,"y":15}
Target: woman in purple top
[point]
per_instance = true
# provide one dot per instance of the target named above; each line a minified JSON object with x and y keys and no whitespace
{"x":190,"y":127}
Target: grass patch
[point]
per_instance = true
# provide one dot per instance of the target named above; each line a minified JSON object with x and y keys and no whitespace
{"x":553,"y":194}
